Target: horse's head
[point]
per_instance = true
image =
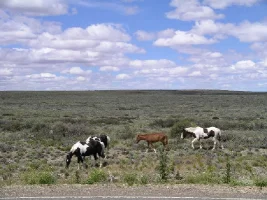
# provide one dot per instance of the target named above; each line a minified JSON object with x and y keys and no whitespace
{"x":68,"y":159}
{"x":138,"y":138}
{"x":101,"y":147}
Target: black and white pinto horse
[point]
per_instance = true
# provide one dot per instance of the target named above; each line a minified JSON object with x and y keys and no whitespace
{"x":102,"y":138}
{"x":200,"y":133}
{"x":82,"y":149}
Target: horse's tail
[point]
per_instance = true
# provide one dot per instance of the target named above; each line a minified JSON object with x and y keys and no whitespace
{"x":166,"y":140}
{"x":219,"y":135}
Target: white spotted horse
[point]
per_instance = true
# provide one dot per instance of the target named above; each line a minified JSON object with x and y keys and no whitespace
{"x":199,"y":133}
{"x":104,"y":141}
{"x":102,"y":138}
{"x":82,"y":149}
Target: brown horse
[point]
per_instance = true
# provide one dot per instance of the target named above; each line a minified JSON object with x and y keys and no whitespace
{"x":152,"y":138}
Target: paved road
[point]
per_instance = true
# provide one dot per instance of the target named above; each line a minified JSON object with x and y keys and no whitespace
{"x":123,"y":198}
{"x":120,"y":192}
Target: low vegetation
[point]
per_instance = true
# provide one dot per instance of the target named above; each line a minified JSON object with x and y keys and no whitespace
{"x":37,"y":129}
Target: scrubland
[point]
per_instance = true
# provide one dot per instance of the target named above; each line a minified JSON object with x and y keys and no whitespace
{"x":37,"y":129}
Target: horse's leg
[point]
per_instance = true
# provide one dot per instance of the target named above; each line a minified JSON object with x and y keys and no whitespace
{"x":221,"y":145}
{"x":193,"y":141}
{"x":96,"y":158}
{"x":79,"y":159}
{"x":220,"y":142}
{"x":148,"y":146}
{"x":214,"y":143}
{"x":153,"y":148}
{"x":200,"y":146}
{"x":164,"y":145}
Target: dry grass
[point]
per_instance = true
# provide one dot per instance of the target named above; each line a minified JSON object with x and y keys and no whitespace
{"x":38,"y":128}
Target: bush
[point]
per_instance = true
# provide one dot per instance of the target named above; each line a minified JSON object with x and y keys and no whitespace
{"x":130,"y":179}
{"x":163,"y":166}
{"x":12,"y":126}
{"x":144,"y":179}
{"x":40,"y":127}
{"x":59,"y":128}
{"x":96,"y":176}
{"x":178,"y":127}
{"x":36,"y":177}
{"x":128,"y":133}
{"x":227,"y":176}
{"x":203,"y":178}
{"x":260,"y":182}
{"x":167,"y":123}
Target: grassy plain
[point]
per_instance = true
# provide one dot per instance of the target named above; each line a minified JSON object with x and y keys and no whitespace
{"x":37,"y":129}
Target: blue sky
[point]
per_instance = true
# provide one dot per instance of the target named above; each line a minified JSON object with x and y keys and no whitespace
{"x":133,"y":44}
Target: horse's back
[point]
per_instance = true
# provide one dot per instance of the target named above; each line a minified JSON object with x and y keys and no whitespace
{"x":215,"y":129}
{"x":154,"y":137}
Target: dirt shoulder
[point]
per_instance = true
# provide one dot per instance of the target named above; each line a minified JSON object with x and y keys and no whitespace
{"x":121,"y":190}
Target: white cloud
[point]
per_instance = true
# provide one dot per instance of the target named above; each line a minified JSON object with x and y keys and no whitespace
{"x":245,"y":31}
{"x":183,"y":38}
{"x":96,"y":45}
{"x":81,"y":78}
{"x":109,"y":68}
{"x":226,"y":3}
{"x":191,"y":10}
{"x":42,"y":76}
{"x":109,"y":32}
{"x":122,"y":77}
{"x":162,"y":63}
{"x":36,"y":7}
{"x":166,"y":33}
{"x":195,"y":73}
{"x":144,"y":36}
{"x":211,"y":27}
{"x":243,"y":65}
{"x":77,"y":71}
{"x":6,"y":72}
{"x":108,"y":5}
{"x":250,"y":32}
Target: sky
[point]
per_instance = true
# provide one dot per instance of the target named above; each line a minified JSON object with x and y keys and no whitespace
{"x":133,"y":44}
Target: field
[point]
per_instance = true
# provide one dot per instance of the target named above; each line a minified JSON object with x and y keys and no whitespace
{"x":37,"y":129}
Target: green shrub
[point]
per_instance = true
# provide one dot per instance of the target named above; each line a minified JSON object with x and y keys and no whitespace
{"x":144,"y":179}
{"x":59,"y":128}
{"x":127,"y":133}
{"x":130,"y":179}
{"x":178,"y":127}
{"x":203,"y":178}
{"x":163,"y":123}
{"x":36,"y":177}
{"x":227,"y":177}
{"x":40,"y":127}
{"x":12,"y":126}
{"x":96,"y":176}
{"x":163,"y":166}
{"x":46,"y":178}
{"x":260,"y":182}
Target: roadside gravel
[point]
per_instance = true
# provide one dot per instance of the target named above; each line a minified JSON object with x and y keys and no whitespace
{"x":122,"y":190}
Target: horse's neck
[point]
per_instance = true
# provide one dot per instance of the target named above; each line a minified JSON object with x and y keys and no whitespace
{"x":142,"y":137}
{"x":70,"y":154}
